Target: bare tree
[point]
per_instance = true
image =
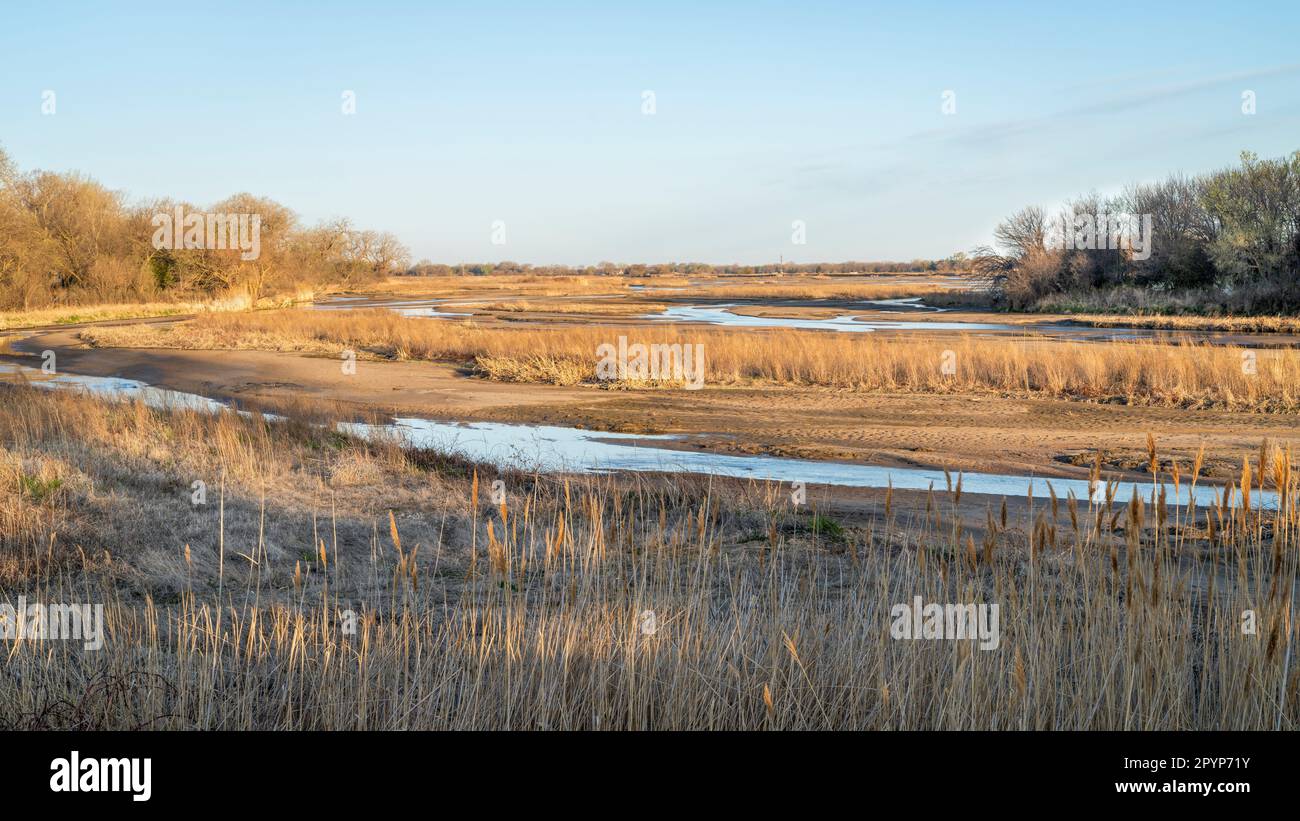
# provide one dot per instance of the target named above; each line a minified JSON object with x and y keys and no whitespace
{"x":275,"y":226}
{"x":1023,"y":232}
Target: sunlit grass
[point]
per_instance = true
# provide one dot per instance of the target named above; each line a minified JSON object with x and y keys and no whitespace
{"x":1184,"y":374}
{"x":531,"y":613}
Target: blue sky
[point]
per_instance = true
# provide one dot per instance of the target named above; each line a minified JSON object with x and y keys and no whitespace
{"x":765,"y":113}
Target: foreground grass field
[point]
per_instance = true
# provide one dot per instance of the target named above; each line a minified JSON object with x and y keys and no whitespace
{"x":599,"y":602}
{"x":1173,"y":375}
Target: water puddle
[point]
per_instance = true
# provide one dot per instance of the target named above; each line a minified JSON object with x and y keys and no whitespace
{"x":849,"y":323}
{"x":406,"y":307}
{"x":430,"y":312}
{"x":857,"y":323}
{"x":116,"y":388}
{"x":910,"y":303}
{"x":546,"y":448}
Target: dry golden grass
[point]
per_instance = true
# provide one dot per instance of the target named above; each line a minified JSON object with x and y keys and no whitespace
{"x":605,"y":307}
{"x":532,"y":614}
{"x":77,"y":314}
{"x":529,"y":284}
{"x":782,"y":287}
{"x":1175,"y":375}
{"x":1230,"y":324}
{"x":815,"y":290}
{"x":92,"y":313}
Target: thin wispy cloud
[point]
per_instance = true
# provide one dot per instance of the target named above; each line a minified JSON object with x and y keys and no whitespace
{"x":997,"y":131}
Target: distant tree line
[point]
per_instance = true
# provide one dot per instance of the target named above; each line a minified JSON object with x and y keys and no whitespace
{"x":66,"y":239}
{"x":957,"y":263}
{"x":1227,"y":241}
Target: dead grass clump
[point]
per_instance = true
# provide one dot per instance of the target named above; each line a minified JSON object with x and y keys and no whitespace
{"x":1183,"y":373}
{"x":542,"y":369}
{"x":353,"y":469}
